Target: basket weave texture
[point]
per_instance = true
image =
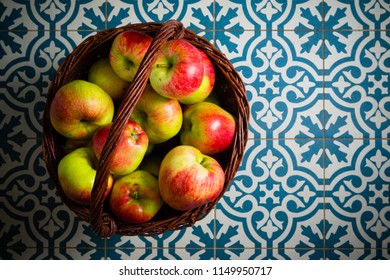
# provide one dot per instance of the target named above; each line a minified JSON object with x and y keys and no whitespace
{"x":228,"y":87}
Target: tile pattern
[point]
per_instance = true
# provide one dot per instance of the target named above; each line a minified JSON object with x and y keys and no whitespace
{"x":314,"y":182}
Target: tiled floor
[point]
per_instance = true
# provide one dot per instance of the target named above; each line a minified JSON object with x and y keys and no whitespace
{"x":314,"y":183}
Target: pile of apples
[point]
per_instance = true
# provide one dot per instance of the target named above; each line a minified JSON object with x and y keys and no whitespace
{"x":177,"y":106}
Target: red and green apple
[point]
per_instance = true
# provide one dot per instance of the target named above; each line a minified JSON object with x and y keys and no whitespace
{"x":135,"y":198}
{"x":178,"y":70}
{"x":127,"y":51}
{"x":130,"y":149}
{"x":189,"y":179}
{"x":207,"y":84}
{"x":160,"y":117}
{"x":79,"y":108}
{"x":208,"y":127}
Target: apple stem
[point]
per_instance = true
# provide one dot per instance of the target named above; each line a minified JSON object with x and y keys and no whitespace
{"x":163,"y":65}
{"x":135,"y":195}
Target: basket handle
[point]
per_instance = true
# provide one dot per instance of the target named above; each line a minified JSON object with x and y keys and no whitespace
{"x":102,"y":222}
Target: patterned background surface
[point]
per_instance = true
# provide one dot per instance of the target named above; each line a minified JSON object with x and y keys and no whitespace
{"x":314,"y":183}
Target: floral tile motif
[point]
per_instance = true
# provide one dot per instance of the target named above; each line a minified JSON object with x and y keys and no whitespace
{"x":359,"y":192}
{"x":357,"y":81}
{"x":314,"y":181}
{"x":194,"y":242}
{"x":285,"y":93}
{"x":31,"y":210}
{"x":125,"y":253}
{"x":271,"y":197}
{"x":356,"y":254}
{"x":195,"y":14}
{"x":27,"y":69}
{"x":53,"y":15}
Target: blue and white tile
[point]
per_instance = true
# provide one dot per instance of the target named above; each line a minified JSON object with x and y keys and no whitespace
{"x":359,"y":192}
{"x":232,"y":15}
{"x":18,"y":16}
{"x":194,"y":14}
{"x":357,"y":82}
{"x":273,"y":194}
{"x":193,"y":242}
{"x":317,"y":189}
{"x":26,"y":74}
{"x":370,"y":14}
{"x":235,"y":254}
{"x":306,"y":15}
{"x":33,"y":214}
{"x":347,"y":15}
{"x":282,"y":90}
{"x":54,"y":15}
{"x":357,"y":254}
{"x":268,"y":15}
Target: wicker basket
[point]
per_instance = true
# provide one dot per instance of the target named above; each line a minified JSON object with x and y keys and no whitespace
{"x":228,"y":86}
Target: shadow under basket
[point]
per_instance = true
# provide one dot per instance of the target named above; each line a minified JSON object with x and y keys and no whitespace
{"x":228,"y":87}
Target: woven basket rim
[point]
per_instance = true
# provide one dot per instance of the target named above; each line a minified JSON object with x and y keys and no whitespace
{"x":228,"y":83}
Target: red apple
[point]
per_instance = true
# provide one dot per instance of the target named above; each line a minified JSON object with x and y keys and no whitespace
{"x":207,"y":127}
{"x":101,"y":74}
{"x":178,"y":70}
{"x":189,"y":179}
{"x":130,"y":149}
{"x":77,"y":172}
{"x":160,"y":117}
{"x":127,"y":51}
{"x":207,"y":84}
{"x":135,"y":198}
{"x":79,"y":108}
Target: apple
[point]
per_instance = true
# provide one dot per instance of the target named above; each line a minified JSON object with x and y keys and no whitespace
{"x":207,"y":84}
{"x":178,"y":70}
{"x":130,"y":149}
{"x":102,"y":74}
{"x":160,"y":117}
{"x":77,"y":172}
{"x":79,"y":108}
{"x":208,"y":127}
{"x":135,"y":198}
{"x":189,"y":179}
{"x":127,"y":51}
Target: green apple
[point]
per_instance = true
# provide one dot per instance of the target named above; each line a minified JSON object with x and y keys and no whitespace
{"x":77,"y":172}
{"x":102,"y":74}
